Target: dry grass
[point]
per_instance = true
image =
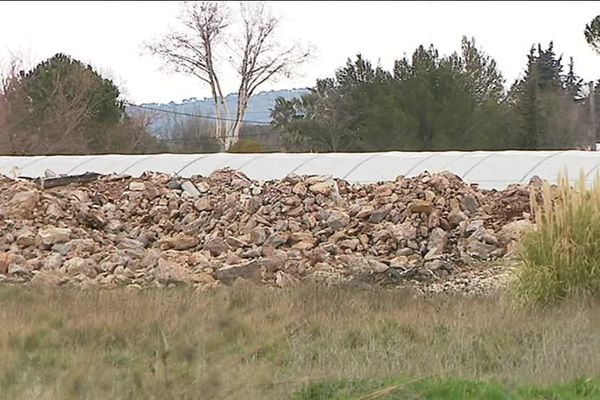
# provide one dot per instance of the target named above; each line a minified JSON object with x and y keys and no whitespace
{"x":247,"y":342}
{"x":560,"y":258}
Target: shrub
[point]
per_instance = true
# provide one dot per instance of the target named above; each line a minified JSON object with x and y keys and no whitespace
{"x":560,"y":258}
{"x":245,"y":146}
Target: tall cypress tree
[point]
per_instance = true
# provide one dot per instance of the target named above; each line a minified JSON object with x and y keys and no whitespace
{"x":545,"y":102}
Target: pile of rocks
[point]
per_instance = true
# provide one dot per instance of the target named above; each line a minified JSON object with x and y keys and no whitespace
{"x":160,"y":230}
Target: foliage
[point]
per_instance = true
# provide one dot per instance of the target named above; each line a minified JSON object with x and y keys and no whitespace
{"x":560,"y":257}
{"x":41,"y":80}
{"x":63,"y":106}
{"x":245,"y":146}
{"x":592,"y":34}
{"x":67,"y":100}
{"x":434,"y":102}
{"x":547,"y":103}
{"x":320,"y":120}
{"x":426,"y":102}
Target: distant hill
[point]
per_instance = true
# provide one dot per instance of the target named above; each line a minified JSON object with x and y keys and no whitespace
{"x":259,"y":106}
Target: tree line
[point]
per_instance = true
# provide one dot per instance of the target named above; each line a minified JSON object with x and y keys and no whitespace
{"x":434,"y":102}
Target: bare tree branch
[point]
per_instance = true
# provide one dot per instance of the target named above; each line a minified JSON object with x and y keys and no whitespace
{"x":261,"y":56}
{"x":257,"y":57}
{"x":192,"y":50}
{"x":9,"y":86}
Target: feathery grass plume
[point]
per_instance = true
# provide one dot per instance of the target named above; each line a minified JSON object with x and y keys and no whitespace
{"x":560,"y":258}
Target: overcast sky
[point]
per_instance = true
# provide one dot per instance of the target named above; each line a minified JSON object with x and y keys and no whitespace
{"x":109,"y":35}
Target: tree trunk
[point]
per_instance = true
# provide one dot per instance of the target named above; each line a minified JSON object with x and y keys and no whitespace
{"x":242,"y":105}
{"x":227,"y":119}
{"x":221,"y":132}
{"x":218,"y":121}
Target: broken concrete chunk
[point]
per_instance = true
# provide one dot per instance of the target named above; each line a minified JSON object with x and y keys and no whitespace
{"x":190,"y":189}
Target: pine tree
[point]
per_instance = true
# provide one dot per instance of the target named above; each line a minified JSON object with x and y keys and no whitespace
{"x":545,"y":102}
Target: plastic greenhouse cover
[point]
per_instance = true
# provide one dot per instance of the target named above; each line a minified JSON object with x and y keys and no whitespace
{"x":489,"y":169}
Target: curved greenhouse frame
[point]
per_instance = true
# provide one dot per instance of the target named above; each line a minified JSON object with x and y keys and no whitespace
{"x":489,"y":169}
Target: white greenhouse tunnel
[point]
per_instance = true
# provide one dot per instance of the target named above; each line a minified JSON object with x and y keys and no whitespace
{"x":489,"y":169}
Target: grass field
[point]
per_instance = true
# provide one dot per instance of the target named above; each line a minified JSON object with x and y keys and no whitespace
{"x":246,"y":342}
{"x":442,"y":389}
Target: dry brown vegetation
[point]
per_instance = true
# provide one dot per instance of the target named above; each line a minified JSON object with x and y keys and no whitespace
{"x":62,"y":106}
{"x":250,"y":342}
{"x":560,"y":257}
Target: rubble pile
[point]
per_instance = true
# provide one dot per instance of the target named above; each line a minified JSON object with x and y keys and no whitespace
{"x":160,"y":230}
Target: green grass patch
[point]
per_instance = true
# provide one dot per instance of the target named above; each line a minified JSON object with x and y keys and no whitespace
{"x":443,"y":389}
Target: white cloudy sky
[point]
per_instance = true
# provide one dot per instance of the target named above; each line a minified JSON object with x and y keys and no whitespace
{"x":109,"y":35}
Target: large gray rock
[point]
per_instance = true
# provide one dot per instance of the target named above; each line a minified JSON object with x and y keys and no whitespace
{"x":277,"y":239}
{"x":53,"y":262}
{"x":456,"y":216}
{"x":469,"y":203}
{"x":323,"y":187}
{"x":337,"y":220}
{"x":137,"y":186}
{"x":48,"y":279}
{"x":23,"y":203}
{"x":216,"y":246}
{"x":258,"y":235}
{"x":182,"y":241}
{"x":190,"y":190}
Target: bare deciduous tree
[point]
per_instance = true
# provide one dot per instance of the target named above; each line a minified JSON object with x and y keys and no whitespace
{"x":11,"y":88}
{"x":141,"y":123}
{"x":192,"y":51}
{"x":256,"y":55}
{"x":261,"y":58}
{"x":67,"y":113}
{"x":188,"y":135}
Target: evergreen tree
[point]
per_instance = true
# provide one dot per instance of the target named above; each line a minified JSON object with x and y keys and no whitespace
{"x":433,"y":102}
{"x":545,"y":102}
{"x":63,"y":106}
{"x":592,"y":34}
